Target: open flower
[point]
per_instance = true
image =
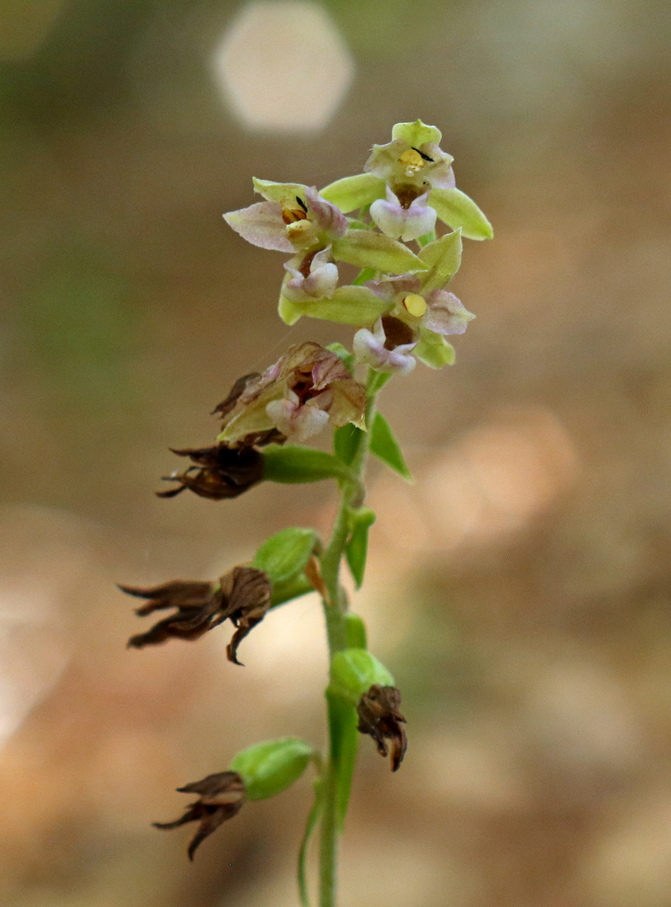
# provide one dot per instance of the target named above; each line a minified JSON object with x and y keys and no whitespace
{"x":241,"y":596}
{"x":308,"y":387}
{"x":294,"y":218}
{"x":379,"y":716}
{"x":222,"y":796}
{"x":387,"y":347}
{"x":413,"y":160}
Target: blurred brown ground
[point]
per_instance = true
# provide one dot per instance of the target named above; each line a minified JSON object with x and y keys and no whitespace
{"x":519,"y":590}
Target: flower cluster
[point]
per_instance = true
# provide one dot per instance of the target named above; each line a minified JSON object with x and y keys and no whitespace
{"x":403,"y":311}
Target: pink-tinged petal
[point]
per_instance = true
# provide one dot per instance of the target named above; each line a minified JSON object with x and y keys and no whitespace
{"x":390,"y":287}
{"x":326,"y":216}
{"x":439,"y":172}
{"x":407,"y":223}
{"x":383,"y":160}
{"x":261,"y":225}
{"x":297,"y":422}
{"x":446,"y":314}
{"x":320,"y":283}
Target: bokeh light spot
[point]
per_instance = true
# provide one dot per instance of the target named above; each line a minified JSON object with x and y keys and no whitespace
{"x":283,"y":66}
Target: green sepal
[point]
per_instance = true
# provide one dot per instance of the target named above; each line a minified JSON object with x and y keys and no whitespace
{"x":353,"y":673}
{"x":343,"y":354}
{"x":346,"y":440}
{"x":270,"y":767}
{"x":354,"y":192}
{"x":284,"y":555}
{"x":278,"y":192}
{"x":386,"y":448}
{"x":349,"y":305}
{"x":456,"y":209}
{"x":366,"y":249}
{"x":355,"y":631}
{"x":360,"y":521}
{"x":442,"y":259}
{"x":291,"y":464}
{"x":434,"y":350}
{"x":417,"y":133}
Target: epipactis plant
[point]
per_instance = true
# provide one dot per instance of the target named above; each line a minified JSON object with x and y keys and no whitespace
{"x":383,"y":221}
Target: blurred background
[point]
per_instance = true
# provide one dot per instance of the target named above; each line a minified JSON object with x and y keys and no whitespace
{"x":519,"y":590}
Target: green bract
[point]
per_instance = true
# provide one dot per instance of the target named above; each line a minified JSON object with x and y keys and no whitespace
{"x":353,"y":673}
{"x":270,"y":767}
{"x":360,"y":521}
{"x":442,"y":259}
{"x":348,"y":305}
{"x":385,"y":446}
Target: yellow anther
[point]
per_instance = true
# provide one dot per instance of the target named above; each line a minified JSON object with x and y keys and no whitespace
{"x":415,"y":304}
{"x":412,"y":161}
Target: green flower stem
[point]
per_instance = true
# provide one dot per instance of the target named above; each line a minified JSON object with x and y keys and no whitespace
{"x":342,"y":722}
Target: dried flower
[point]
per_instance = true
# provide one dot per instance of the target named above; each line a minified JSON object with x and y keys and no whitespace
{"x":221,"y":797}
{"x":219,"y":472}
{"x":379,"y":716}
{"x":308,"y":387}
{"x":241,"y":596}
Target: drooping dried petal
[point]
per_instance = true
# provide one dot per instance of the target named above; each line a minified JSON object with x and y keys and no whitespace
{"x":221,"y":471}
{"x":379,"y":716}
{"x":242,"y":596}
{"x":222,"y":796}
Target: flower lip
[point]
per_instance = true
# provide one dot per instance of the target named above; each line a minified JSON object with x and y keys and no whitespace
{"x":222,"y":796}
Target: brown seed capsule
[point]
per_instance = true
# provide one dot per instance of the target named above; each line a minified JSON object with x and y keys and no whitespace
{"x":379,"y":716}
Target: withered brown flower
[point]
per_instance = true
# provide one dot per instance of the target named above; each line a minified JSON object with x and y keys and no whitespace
{"x":379,"y":716}
{"x":242,"y":596}
{"x":294,"y":398}
{"x":221,"y":797}
{"x":219,"y":472}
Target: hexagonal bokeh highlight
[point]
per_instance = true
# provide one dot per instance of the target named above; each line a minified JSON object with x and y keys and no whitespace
{"x":283,"y":66}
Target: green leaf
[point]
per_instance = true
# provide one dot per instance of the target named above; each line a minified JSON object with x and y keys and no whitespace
{"x":386,"y":448}
{"x":348,"y":305}
{"x":284,"y":555}
{"x":346,"y":442}
{"x":355,"y":631}
{"x":291,"y":464}
{"x":353,"y":673}
{"x":442,"y":259}
{"x":354,"y":192}
{"x":361,"y":520}
{"x":434,"y":350}
{"x":270,"y":767}
{"x":343,"y":354}
{"x":366,"y":249}
{"x":416,"y":133}
{"x":456,"y":209}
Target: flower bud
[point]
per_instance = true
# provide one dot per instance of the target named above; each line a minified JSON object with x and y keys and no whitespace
{"x":270,"y":767}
